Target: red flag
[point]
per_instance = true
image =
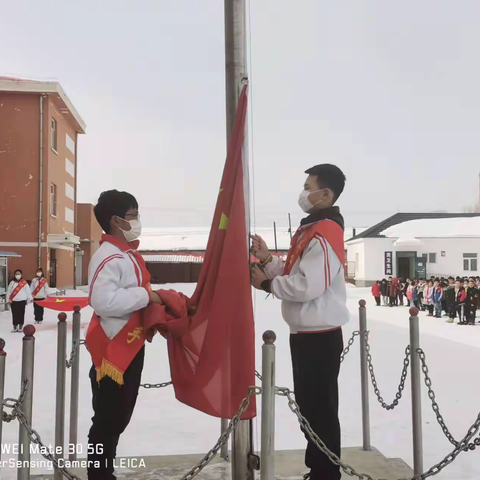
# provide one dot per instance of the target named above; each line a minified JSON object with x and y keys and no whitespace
{"x":63,"y":304}
{"x":213,"y":364}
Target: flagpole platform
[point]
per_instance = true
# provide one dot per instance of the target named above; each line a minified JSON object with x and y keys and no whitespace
{"x":289,"y":464}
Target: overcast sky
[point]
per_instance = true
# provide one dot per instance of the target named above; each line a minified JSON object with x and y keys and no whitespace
{"x":387,"y":90}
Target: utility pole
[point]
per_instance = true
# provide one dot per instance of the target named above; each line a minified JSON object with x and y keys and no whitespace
{"x":235,"y":71}
{"x":275,"y":235}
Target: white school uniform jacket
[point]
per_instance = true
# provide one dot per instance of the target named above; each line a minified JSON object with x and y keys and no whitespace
{"x":314,"y":295}
{"x":114,"y":287}
{"x":43,"y":293}
{"x":23,"y":295}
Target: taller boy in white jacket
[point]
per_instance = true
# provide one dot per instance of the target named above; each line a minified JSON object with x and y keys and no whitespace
{"x":311,"y":286}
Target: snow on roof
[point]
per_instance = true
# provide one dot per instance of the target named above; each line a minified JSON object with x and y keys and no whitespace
{"x":195,"y":239}
{"x":435,"y":228}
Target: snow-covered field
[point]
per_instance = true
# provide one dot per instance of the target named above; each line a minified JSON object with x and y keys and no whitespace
{"x":162,"y":426}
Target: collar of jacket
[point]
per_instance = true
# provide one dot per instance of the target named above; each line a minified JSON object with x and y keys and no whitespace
{"x":123,"y":246}
{"x":332,"y":213}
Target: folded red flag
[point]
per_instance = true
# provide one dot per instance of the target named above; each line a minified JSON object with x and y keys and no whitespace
{"x":212,"y":354}
{"x":63,"y":304}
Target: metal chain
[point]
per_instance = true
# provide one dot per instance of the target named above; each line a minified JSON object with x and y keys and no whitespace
{"x":437,"y":468}
{"x":350,"y":343}
{"x":13,"y":402}
{"x":305,"y":426}
{"x":155,"y":385}
{"x":73,"y":353}
{"x":35,"y":438}
{"x":224,"y":437}
{"x":258,"y":376}
{"x":83,"y":342}
{"x":398,"y":395}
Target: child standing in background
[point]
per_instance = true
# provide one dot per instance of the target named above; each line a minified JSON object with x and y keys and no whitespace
{"x":18,"y":295}
{"x":376,"y":292}
{"x":39,"y":288}
{"x":428,"y":297}
{"x":437,"y":299}
{"x":384,"y":292}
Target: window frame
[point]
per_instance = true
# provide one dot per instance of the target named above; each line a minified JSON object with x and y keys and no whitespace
{"x":469,"y":260}
{"x":434,"y":258}
{"x":53,"y":200}
{"x":54,"y":135}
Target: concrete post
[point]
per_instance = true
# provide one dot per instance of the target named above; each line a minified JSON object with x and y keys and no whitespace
{"x":364,"y":376}
{"x":416,"y":393}
{"x":28,"y":362}
{"x":60,"y":396}
{"x":3,"y":359}
{"x":75,"y":383}
{"x":267,"y":458}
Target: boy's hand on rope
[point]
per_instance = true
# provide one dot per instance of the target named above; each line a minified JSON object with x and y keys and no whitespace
{"x":259,"y":248}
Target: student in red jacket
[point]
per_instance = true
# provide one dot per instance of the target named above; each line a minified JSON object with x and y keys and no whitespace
{"x":376,"y":292}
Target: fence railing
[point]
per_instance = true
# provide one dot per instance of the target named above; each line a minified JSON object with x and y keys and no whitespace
{"x":414,"y":361}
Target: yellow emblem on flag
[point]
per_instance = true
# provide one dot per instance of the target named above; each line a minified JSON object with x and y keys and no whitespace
{"x":59,"y":301}
{"x":135,"y":334}
{"x":223,"y":222}
{"x":221,"y":190}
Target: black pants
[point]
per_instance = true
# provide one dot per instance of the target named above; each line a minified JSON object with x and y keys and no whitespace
{"x":113,"y":406}
{"x":316,"y":364}
{"x":470,"y":313}
{"x":430,"y":309}
{"x":377,"y":299}
{"x":393,"y":301}
{"x":461,"y":313}
{"x":400,"y":299}
{"x":38,"y":310}
{"x":18,"y":312}
{"x":452,"y":311}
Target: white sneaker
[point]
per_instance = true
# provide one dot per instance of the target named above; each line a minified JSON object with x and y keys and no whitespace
{"x":14,"y":329}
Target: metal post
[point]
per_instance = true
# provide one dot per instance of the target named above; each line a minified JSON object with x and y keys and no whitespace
{"x":416,"y":393}
{"x":61,"y":377}
{"x":275,"y":235}
{"x":267,"y":463}
{"x":290,"y":226}
{"x":28,"y":361}
{"x":235,"y":70}
{"x":364,"y":376}
{"x":75,"y":382}
{"x":224,"y":449}
{"x":3,"y":358}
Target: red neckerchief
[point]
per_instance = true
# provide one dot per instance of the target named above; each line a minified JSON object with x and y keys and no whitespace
{"x":131,"y":248}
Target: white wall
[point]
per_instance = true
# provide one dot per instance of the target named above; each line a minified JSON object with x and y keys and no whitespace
{"x":454,"y":248}
{"x":372,"y":256}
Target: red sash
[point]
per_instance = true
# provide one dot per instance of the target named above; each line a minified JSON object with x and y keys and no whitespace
{"x":40,"y":285}
{"x":112,"y":357}
{"x":328,"y":229}
{"x":20,"y":285}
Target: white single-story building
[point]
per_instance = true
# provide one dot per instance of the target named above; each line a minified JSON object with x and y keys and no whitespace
{"x":416,"y":245}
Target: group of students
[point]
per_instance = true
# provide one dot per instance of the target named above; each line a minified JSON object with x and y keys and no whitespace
{"x":20,"y":293}
{"x":452,"y":297}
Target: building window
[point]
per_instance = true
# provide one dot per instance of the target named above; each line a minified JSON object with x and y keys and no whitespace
{"x":70,"y":167}
{"x":54,"y":135}
{"x":70,"y":143}
{"x":69,"y":215}
{"x":69,"y":191}
{"x":53,"y":200}
{"x":470,"y":262}
{"x":432,"y":258}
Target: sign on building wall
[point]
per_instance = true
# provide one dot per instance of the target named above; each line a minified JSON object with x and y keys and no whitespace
{"x":388,"y":263}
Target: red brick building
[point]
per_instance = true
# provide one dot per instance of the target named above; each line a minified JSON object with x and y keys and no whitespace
{"x":39,"y":128}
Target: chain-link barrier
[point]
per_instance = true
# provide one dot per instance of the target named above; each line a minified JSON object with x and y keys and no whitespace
{"x":15,"y":405}
{"x":12,"y":402}
{"x":225,"y":435}
{"x":73,"y":353}
{"x":155,"y":385}
{"x":403,"y":377}
{"x":83,"y":342}
{"x":349,"y":344}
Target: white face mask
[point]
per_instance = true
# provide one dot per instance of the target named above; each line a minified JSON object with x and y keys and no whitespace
{"x":135,"y":232}
{"x":39,"y":274}
{"x":305,"y":204}
{"x":18,"y":277}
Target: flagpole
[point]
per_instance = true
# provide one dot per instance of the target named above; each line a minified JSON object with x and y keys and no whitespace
{"x":235,"y":73}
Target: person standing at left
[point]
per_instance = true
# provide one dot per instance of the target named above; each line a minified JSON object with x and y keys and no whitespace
{"x":39,"y":288}
{"x":18,"y":295}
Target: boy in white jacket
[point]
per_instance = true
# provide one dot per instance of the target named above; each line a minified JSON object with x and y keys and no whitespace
{"x":311,"y":286}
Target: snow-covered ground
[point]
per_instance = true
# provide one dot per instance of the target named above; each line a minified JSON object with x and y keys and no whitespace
{"x":162,"y":426}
